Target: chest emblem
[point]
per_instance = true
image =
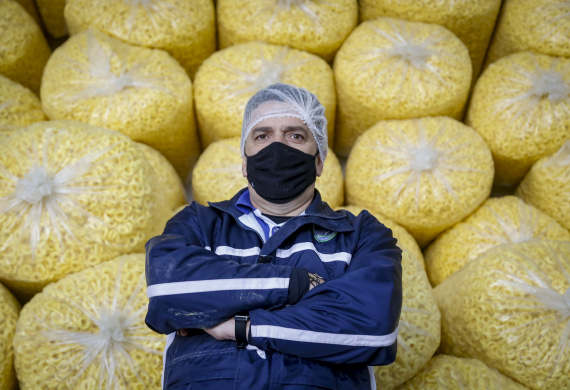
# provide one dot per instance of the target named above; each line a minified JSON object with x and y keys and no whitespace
{"x":323,"y":235}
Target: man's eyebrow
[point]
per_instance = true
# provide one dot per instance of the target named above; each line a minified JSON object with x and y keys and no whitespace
{"x":297,"y":128}
{"x":263,"y":129}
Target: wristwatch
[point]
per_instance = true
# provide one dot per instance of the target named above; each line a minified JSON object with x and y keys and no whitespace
{"x":241,"y":329}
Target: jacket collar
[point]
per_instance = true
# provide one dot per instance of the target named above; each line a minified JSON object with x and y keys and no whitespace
{"x":318,"y":213}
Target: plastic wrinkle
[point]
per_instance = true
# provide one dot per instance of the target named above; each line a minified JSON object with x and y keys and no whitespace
{"x":527,"y":90}
{"x":422,"y":157}
{"x":42,"y":195}
{"x":551,"y":15}
{"x":118,"y":334}
{"x":406,"y":54}
{"x":561,"y":158}
{"x":285,"y":6}
{"x":98,"y":80}
{"x":270,"y":71}
{"x":540,"y":298}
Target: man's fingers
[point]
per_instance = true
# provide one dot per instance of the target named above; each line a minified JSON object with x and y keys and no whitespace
{"x":182,"y":332}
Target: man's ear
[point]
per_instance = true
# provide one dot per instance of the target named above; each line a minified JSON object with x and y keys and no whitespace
{"x":320,"y":165}
{"x":244,"y":166}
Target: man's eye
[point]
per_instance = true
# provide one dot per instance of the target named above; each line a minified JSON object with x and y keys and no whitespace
{"x":297,"y":136}
{"x":261,"y":136}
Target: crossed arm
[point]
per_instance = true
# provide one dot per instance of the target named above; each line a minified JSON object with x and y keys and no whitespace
{"x":350,"y":319}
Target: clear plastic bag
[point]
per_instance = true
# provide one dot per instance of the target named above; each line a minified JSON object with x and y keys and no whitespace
{"x":392,"y":69}
{"x":521,"y":107}
{"x":9,"y":312}
{"x":426,"y":174}
{"x":547,"y":185}
{"x":230,"y":77}
{"x":143,"y":93}
{"x":87,"y":331}
{"x":71,"y":196}
{"x":19,"y":107}
{"x":510,"y":309}
{"x":24,"y":48}
{"x":540,"y":26}
{"x":498,"y":221}
{"x":450,"y":372}
{"x":52,"y":16}
{"x":185,"y":29}
{"x":472,"y":21}
{"x":317,"y":26}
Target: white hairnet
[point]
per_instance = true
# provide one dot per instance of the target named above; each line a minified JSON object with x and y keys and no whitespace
{"x":297,"y":103}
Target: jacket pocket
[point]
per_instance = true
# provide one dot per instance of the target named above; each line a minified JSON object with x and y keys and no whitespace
{"x":292,"y":373}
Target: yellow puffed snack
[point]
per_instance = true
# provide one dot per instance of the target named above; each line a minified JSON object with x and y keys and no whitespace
{"x":30,"y":8}
{"x":392,"y":69}
{"x":498,"y":221}
{"x":23,"y":48}
{"x":185,"y":29}
{"x":19,"y":107}
{"x":426,"y":174}
{"x":405,"y":239}
{"x":547,"y":185}
{"x":450,"y":372}
{"x":52,"y":16}
{"x":87,"y":331}
{"x":472,"y":21}
{"x":71,"y":196}
{"x":229,"y":78}
{"x":168,"y":182}
{"x":9,"y":311}
{"x":540,"y":26}
{"x":521,"y":107}
{"x":509,"y":308}
{"x":218,"y":176}
{"x":143,"y":93}
{"x":420,"y":328}
{"x":319,"y":27}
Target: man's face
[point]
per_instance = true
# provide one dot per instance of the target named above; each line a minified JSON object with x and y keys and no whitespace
{"x":290,"y":131}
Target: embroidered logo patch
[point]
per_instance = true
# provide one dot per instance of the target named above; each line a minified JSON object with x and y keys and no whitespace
{"x":323,"y":235}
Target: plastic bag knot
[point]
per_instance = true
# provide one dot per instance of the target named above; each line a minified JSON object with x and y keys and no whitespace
{"x":35,"y":185}
{"x":549,"y":84}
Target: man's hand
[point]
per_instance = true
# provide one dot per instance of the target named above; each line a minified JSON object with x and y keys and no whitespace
{"x":224,"y":331}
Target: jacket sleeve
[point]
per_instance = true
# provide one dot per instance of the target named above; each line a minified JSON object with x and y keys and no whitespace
{"x":351,"y":319}
{"x":189,"y":286}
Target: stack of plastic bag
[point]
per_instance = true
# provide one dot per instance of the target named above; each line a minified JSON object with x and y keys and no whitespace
{"x":510,"y":309}
{"x":230,"y":77}
{"x":185,"y":29}
{"x":9,"y":311}
{"x":521,"y":107}
{"x":71,"y":196}
{"x":392,"y":69}
{"x":426,"y":174}
{"x":24,"y":50}
{"x":498,"y":221}
{"x":319,"y":27}
{"x":19,"y":107}
{"x":547,"y":185}
{"x":450,"y":372}
{"x":218,"y":175}
{"x":143,"y":93}
{"x":87,"y":331}
{"x":540,"y":26}
{"x":472,"y":21}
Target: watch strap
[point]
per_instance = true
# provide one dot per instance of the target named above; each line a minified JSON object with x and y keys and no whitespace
{"x":241,"y":330}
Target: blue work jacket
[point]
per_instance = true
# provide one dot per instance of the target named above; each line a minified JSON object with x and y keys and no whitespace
{"x":214,"y":262}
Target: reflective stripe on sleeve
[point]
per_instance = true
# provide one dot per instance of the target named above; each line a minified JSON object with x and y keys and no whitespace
{"x":308,"y":336}
{"x":200,"y":286}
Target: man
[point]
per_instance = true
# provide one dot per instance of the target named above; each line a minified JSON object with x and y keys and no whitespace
{"x":273,"y":289}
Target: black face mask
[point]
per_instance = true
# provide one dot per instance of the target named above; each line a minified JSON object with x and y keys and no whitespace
{"x":280,"y":173}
